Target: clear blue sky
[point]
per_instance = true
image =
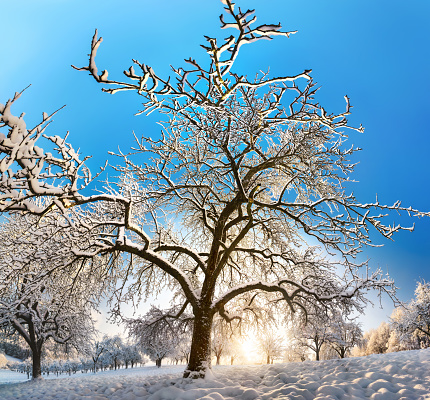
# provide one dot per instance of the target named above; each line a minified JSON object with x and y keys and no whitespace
{"x":376,"y":52}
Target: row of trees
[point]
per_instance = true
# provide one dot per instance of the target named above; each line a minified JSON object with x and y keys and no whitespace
{"x":49,"y":366}
{"x":112,"y":353}
{"x":108,"y":353}
{"x":333,"y":336}
{"x":325,"y":335}
{"x":321,"y":338}
{"x":72,"y":366}
{"x":216,"y":208}
{"x":408,"y":329}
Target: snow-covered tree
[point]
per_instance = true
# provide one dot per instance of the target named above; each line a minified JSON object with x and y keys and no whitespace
{"x":245,"y":167}
{"x":95,"y":351}
{"x":235,"y":349}
{"x":114,"y":349}
{"x":271,"y":346}
{"x":40,"y":300}
{"x":131,"y":355}
{"x":376,"y":340}
{"x":315,"y":329}
{"x":344,"y":335}
{"x":313,"y":334}
{"x":182,"y":351}
{"x":219,"y":342}
{"x":222,"y":338}
{"x":158,"y":333}
{"x":412,"y":320}
{"x":294,"y":352}
{"x":399,"y":340}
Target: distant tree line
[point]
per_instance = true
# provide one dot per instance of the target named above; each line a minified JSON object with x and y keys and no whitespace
{"x":110,"y":353}
{"x":408,"y":329}
{"x":323,"y":334}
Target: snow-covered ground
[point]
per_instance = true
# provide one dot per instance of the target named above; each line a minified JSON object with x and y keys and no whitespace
{"x":12,"y":359}
{"x":394,"y":376}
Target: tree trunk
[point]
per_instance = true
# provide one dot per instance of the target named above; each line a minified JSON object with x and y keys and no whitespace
{"x":35,"y":345}
{"x":37,"y":368}
{"x":318,"y":346}
{"x":200,"y":356}
{"x":268,"y":359}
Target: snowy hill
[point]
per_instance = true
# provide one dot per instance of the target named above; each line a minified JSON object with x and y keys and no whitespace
{"x":394,"y":376}
{"x":5,"y":359}
{"x":11,"y":359}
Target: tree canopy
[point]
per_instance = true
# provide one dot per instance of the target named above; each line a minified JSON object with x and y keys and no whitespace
{"x":40,"y":299}
{"x":241,"y":201}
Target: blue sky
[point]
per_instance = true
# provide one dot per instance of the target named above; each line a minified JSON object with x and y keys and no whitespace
{"x":376,"y":52}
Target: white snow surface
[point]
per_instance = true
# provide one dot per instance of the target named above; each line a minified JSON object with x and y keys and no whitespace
{"x":3,"y":360}
{"x":11,"y":359}
{"x":393,"y":376}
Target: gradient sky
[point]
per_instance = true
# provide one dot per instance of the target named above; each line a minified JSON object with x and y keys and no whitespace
{"x":376,"y":52}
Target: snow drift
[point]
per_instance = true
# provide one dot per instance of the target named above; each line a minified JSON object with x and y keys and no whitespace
{"x":393,"y":376}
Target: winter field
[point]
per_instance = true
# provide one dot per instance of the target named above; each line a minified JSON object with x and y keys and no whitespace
{"x":393,"y":376}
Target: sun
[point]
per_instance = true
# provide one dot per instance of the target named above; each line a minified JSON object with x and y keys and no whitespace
{"x":248,"y":349}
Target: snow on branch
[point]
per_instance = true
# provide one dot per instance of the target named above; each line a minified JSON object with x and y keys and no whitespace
{"x":219,"y":82}
{"x":219,"y":206}
{"x":28,"y":172}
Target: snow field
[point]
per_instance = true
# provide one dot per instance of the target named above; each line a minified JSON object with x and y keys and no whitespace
{"x":393,"y":376}
{"x":11,"y":359}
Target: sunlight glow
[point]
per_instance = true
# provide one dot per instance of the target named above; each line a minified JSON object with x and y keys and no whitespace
{"x":249,"y":350}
